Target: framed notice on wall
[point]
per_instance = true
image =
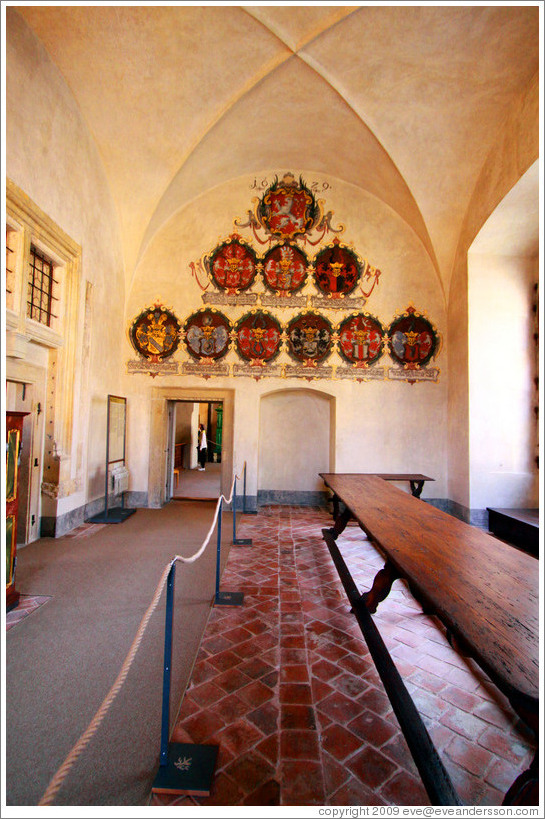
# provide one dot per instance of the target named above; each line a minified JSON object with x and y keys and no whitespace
{"x":116,"y":424}
{"x":117,"y":420}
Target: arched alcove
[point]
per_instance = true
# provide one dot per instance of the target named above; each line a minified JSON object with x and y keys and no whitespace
{"x":296,"y":435}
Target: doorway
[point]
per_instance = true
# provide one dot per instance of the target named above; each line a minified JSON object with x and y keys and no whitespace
{"x":190,"y":481}
{"x":21,"y":397}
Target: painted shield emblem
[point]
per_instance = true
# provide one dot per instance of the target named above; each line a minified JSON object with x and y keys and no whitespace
{"x":412,"y":339}
{"x":360,"y":339}
{"x":309,"y":338}
{"x":155,"y":333}
{"x":285,"y":269}
{"x":258,"y":337}
{"x":337,"y":270}
{"x":233,"y":265}
{"x":206,"y":334}
{"x":287,"y":208}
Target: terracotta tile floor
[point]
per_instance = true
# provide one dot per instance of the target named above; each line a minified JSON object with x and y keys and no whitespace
{"x":27,"y":604}
{"x":285,"y":685}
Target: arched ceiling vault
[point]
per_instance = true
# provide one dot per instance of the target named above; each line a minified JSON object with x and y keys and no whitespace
{"x":403,"y":101}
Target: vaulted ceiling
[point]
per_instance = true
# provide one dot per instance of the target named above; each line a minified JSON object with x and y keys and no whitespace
{"x":403,"y":101}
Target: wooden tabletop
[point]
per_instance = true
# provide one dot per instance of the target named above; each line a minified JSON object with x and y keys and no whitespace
{"x":387,"y":476}
{"x":484,"y":590}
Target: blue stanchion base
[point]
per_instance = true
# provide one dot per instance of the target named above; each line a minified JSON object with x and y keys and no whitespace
{"x":242,"y":541}
{"x":116,"y":515}
{"x":224,"y":598}
{"x":189,"y":770}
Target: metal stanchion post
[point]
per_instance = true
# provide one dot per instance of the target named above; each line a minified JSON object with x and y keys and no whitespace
{"x":183,"y":768}
{"x":224,"y":598}
{"x":238,"y":541}
{"x":244,"y":510}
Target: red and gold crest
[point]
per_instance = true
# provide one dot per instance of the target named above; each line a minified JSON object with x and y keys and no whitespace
{"x":285,"y":269}
{"x":360,"y":339}
{"x":337,"y":270}
{"x":288,"y":208}
{"x":232,"y":265}
{"x":258,"y":336}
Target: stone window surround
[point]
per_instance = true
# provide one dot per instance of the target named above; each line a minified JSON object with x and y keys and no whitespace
{"x":33,"y":226}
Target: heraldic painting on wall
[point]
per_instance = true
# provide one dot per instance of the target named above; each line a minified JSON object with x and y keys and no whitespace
{"x":327,"y":290}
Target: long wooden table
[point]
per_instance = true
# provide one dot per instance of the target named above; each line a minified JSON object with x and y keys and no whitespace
{"x":484,"y":591}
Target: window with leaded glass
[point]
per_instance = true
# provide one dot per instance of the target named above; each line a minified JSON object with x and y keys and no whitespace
{"x":41,"y":288}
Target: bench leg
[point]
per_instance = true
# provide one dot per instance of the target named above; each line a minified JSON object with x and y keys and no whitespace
{"x":381,"y":587}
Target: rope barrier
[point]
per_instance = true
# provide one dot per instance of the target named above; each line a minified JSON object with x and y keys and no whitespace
{"x":61,"y":774}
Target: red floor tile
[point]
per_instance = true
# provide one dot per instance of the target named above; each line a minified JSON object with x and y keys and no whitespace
{"x":287,"y":689}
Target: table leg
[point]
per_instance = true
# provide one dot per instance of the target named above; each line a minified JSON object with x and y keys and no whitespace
{"x":525,"y":788}
{"x":341,"y":521}
{"x":416,"y":488}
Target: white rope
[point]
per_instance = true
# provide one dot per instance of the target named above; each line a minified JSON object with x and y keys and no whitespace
{"x":56,"y":782}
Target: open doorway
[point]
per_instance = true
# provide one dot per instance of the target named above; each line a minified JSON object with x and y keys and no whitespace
{"x":21,"y":397}
{"x":195,"y":478}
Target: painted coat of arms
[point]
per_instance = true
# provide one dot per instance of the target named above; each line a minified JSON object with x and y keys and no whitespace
{"x":285,"y":269}
{"x":288,"y":208}
{"x":206,"y":334}
{"x":309,"y":338}
{"x":360,"y":339}
{"x":258,"y":337}
{"x":232,"y":265}
{"x":154,"y":334}
{"x":337,"y":270}
{"x":412,"y":339}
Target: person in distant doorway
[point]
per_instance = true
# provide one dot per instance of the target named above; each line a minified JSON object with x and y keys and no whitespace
{"x":202,"y":447}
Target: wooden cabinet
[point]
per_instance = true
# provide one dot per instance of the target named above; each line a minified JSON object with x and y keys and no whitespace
{"x":14,"y":437}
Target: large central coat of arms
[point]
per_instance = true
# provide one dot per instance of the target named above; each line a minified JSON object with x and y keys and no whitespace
{"x":206,"y":334}
{"x":154,"y":334}
{"x":285,"y":269}
{"x":360,"y":340}
{"x":288,"y":208}
{"x":337,"y":270}
{"x":412,"y":339}
{"x":232,"y":265}
{"x":258,"y":336}
{"x":310,"y":338}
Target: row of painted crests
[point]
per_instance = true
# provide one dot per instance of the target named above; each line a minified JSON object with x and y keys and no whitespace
{"x":309,"y":338}
{"x":287,"y":217}
{"x":235,"y":267}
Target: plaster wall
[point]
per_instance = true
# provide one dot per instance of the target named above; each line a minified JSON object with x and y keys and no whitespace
{"x":51,"y":156}
{"x":294,"y":440}
{"x":502,"y":368}
{"x":376,"y":425}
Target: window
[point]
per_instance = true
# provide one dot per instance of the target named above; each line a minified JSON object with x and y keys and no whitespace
{"x":41,"y":284}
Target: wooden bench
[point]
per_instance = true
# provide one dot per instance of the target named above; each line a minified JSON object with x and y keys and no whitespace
{"x":517,"y":526}
{"x":484,"y":591}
